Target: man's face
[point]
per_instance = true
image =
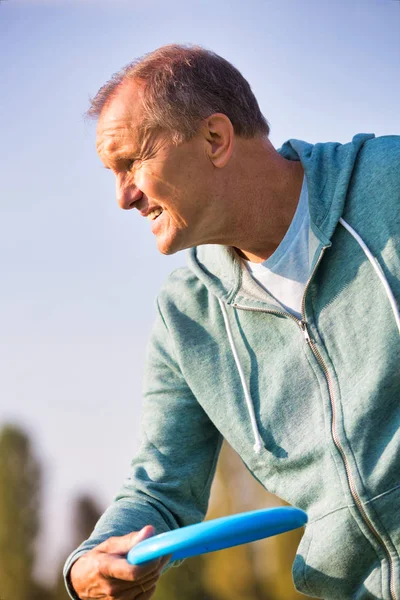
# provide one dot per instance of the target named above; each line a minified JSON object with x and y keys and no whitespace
{"x":171,"y":185}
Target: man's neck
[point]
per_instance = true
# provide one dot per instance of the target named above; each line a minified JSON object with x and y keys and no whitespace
{"x":271,"y":213}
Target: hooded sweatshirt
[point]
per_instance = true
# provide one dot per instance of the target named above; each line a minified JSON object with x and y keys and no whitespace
{"x":311,"y":405}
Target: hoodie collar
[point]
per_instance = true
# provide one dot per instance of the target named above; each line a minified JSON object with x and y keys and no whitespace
{"x":328,"y":168}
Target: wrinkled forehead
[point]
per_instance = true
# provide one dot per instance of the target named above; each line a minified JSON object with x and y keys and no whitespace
{"x":121,"y":119}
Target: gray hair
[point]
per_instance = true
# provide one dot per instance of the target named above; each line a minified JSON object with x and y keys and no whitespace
{"x":184,"y":85}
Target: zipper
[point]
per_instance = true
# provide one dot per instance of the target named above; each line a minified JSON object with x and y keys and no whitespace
{"x":350,"y":480}
{"x":336,"y":440}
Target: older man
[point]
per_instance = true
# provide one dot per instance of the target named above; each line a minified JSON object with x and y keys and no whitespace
{"x":281,"y":336}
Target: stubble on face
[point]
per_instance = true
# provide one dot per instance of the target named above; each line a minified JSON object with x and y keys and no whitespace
{"x":164,"y":172}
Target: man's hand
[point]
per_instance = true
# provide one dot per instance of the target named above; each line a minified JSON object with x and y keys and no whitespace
{"x":104,"y":573}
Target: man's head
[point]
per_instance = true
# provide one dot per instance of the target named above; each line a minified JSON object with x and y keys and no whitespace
{"x":182,"y":85}
{"x":175,"y":129}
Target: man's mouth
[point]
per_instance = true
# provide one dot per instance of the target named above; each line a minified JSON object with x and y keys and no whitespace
{"x":154,"y":214}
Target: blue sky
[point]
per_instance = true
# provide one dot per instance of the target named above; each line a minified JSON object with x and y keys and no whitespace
{"x":78,"y":275}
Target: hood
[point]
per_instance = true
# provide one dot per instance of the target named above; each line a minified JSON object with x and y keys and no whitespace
{"x":328,"y":168}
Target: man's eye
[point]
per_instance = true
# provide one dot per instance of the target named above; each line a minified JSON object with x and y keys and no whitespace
{"x":131,"y":163}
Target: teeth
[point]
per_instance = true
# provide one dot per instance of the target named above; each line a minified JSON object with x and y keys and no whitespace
{"x":154,"y":214}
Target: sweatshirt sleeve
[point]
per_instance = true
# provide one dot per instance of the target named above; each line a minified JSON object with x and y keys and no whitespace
{"x":170,"y":478}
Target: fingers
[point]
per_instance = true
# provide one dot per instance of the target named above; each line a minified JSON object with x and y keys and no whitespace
{"x":147,"y":594}
{"x":122,"y":544}
{"x":118,"y":567}
{"x":112,"y":567}
{"x":149,"y":581}
{"x":105,"y":572}
{"x":164,"y":560}
{"x":146,"y":586}
{"x":129,"y":591}
{"x":137,"y":595}
{"x":141,"y":587}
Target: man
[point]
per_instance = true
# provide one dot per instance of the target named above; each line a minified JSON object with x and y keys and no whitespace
{"x":281,"y":336}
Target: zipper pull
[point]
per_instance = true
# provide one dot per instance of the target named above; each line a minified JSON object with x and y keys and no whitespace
{"x":303,"y":326}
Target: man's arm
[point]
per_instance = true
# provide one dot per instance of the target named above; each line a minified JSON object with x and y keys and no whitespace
{"x":171,"y":475}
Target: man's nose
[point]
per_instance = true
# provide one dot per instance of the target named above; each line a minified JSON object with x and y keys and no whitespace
{"x":127,"y":193}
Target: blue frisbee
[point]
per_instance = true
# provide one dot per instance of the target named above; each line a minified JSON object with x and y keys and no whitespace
{"x":218,"y":534}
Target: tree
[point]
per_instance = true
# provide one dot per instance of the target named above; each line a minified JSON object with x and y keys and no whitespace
{"x":20,"y":482}
{"x":86,"y":515}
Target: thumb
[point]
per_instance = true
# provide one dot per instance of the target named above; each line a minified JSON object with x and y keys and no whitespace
{"x":122,"y":544}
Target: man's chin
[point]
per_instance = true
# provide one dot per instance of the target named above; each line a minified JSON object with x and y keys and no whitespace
{"x":168,"y":249}
{"x":171,"y":246}
{"x":167,"y":252}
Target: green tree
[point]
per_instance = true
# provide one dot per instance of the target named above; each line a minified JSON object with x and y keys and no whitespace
{"x":20,"y":482}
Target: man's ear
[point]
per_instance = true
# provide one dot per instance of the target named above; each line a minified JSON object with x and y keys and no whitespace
{"x":219,"y":136}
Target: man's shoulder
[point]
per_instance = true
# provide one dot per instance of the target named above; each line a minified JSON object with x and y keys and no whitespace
{"x":178,"y":280}
{"x":384,"y":150}
{"x":379,"y":163}
{"x":182,"y":291}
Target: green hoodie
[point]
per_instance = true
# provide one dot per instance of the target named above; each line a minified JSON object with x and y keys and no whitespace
{"x":312,"y":406}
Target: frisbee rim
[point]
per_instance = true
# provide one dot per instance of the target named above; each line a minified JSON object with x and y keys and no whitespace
{"x":223,"y":530}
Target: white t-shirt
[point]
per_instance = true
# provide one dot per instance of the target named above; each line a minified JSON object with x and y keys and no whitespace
{"x":285,"y":273}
